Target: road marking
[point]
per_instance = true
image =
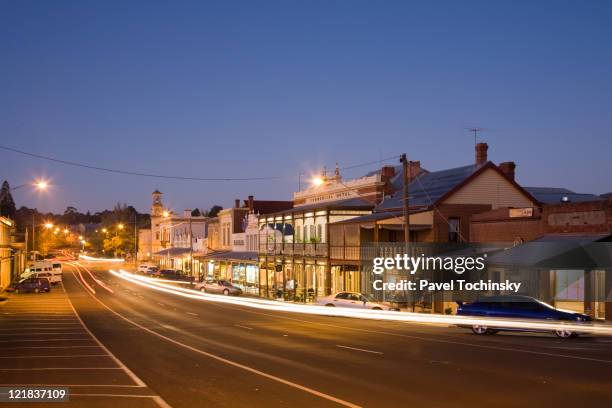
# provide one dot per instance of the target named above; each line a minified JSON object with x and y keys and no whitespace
{"x":158,"y":400}
{"x":161,"y":304}
{"x":359,"y":349}
{"x":59,"y":356}
{"x":60,"y":368}
{"x":192,"y":314}
{"x":74,"y":385}
{"x":39,"y":334}
{"x":433,"y":339}
{"x":33,"y":340}
{"x":243,"y":327}
{"x":47,"y":347}
{"x":228,"y":362}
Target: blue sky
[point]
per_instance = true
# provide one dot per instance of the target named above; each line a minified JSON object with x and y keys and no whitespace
{"x":279,"y":88}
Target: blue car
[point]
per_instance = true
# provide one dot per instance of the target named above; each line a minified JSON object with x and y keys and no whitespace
{"x":518,"y":307}
{"x":30,"y":285}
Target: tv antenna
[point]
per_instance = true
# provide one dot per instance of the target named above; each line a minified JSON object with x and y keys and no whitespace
{"x":475,"y":130}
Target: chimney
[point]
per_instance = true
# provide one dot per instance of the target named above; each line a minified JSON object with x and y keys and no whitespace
{"x":481,"y":153}
{"x":237,"y":203}
{"x":414,"y":168}
{"x":250,"y":203}
{"x":186,"y":213}
{"x":508,"y":169}
{"x":387,"y":173}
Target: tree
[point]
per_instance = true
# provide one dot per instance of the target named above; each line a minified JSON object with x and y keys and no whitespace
{"x":7,"y":204}
{"x":214,"y":210}
{"x":196,"y":213}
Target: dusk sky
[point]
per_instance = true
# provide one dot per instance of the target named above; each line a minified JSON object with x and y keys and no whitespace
{"x":257,"y":89}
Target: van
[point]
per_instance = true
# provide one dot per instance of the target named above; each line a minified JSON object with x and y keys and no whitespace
{"x":56,"y":270}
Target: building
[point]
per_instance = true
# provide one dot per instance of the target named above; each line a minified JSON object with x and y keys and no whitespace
{"x":563,"y":247}
{"x":294,"y":245}
{"x":441,"y":204}
{"x":12,"y":254}
{"x":233,"y":240}
{"x":172,"y":238}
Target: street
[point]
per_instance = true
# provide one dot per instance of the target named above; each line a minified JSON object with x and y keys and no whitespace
{"x":155,"y":349}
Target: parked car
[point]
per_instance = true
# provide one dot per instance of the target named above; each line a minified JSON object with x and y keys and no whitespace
{"x":519,"y":307}
{"x":30,"y":285}
{"x":46,"y":273}
{"x":143,"y":268}
{"x":351,"y":299}
{"x":152,"y":270}
{"x":218,"y":286}
{"x":172,"y":274}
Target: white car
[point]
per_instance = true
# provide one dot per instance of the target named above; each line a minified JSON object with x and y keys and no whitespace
{"x":144,"y":268}
{"x":350,"y":299}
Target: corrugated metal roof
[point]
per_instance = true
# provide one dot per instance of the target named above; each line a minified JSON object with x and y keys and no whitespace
{"x":429,"y":187}
{"x":554,"y":195}
{"x":232,"y":255}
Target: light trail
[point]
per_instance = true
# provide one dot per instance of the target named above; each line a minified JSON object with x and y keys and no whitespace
{"x":364,"y":314}
{"x":92,"y":259}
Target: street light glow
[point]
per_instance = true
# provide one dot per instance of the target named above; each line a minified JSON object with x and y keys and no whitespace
{"x":165,"y":214}
{"x":48,"y":225}
{"x":41,"y":184}
{"x":317,"y":181}
{"x":104,"y":230}
{"x":120,"y":226}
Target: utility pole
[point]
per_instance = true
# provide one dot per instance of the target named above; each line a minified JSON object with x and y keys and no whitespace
{"x":135,"y":238}
{"x":191,"y":247}
{"x":33,"y":236}
{"x":406,"y":180}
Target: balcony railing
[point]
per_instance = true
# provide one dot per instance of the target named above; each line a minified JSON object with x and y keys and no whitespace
{"x":320,"y":249}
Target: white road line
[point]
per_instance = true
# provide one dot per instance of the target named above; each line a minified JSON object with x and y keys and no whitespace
{"x":39,"y":334}
{"x":73,"y":394}
{"x":359,"y":349}
{"x":243,"y":327}
{"x":433,"y":339}
{"x":74,"y":385}
{"x":158,"y":400}
{"x":60,"y":368}
{"x":34,"y":340}
{"x":192,"y":314}
{"x":230,"y":362}
{"x":161,"y":304}
{"x":58,"y":356}
{"x":47,"y":347}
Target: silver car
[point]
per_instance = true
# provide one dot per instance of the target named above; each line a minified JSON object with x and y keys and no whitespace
{"x":218,"y":286}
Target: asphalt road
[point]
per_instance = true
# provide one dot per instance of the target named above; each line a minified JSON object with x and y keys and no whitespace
{"x":192,"y":353}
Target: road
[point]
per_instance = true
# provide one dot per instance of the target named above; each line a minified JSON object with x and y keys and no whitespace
{"x":189,"y":353}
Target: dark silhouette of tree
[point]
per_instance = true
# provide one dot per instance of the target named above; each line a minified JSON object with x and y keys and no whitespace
{"x":214,"y":211}
{"x":196,"y":213}
{"x":7,"y":204}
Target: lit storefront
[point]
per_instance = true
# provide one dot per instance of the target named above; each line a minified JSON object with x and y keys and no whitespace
{"x":294,"y":250}
{"x":240,"y":268}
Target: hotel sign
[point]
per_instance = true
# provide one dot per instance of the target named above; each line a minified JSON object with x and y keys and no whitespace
{"x":521,"y":212}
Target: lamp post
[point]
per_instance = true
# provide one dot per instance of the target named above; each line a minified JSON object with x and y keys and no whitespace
{"x":39,"y":185}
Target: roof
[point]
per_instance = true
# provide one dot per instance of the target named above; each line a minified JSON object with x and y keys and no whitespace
{"x":429,"y":187}
{"x":554,"y":250}
{"x":554,"y":195}
{"x":173,"y":251}
{"x":371,"y":217}
{"x":397,"y":179}
{"x":355,"y":203}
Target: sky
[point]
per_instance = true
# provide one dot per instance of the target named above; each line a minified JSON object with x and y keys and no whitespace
{"x":234,"y":89}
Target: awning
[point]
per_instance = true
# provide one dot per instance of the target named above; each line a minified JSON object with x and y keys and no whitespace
{"x":171,"y":252}
{"x":230,"y":256}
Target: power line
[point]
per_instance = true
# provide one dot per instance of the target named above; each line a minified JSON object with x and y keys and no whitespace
{"x":134,"y":173}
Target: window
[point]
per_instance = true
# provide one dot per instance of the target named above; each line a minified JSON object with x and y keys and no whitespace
{"x":453,"y":229}
{"x":320,"y":232}
{"x":342,"y":295}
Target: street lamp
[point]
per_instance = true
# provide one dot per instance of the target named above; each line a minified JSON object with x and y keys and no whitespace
{"x":40,"y":185}
{"x":317,"y":181}
{"x":48,"y":225}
